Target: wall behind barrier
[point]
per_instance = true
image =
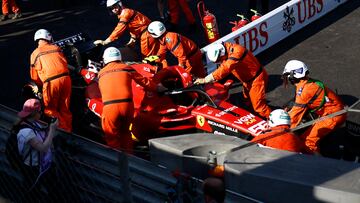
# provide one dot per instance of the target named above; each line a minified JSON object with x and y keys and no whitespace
{"x":276,"y":25}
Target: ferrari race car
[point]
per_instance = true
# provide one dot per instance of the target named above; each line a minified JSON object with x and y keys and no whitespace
{"x":183,"y":108}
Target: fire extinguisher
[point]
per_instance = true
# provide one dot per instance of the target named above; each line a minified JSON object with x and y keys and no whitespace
{"x":256,"y":15}
{"x":238,"y":24}
{"x":235,"y":23}
{"x":243,"y":21}
{"x":208,"y":21}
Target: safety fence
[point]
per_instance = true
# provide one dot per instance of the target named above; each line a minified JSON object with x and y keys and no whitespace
{"x":83,"y":171}
{"x":86,"y":171}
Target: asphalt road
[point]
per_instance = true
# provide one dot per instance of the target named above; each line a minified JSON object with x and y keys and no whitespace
{"x":330,"y":46}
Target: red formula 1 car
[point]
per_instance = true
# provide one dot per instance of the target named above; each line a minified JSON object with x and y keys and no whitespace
{"x":184,"y":108}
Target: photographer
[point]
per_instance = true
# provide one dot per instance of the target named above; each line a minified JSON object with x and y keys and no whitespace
{"x":34,"y":145}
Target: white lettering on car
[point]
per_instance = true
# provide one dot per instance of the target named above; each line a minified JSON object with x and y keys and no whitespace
{"x":257,"y":128}
{"x":248,"y":119}
{"x":225,"y":111}
{"x":216,"y":124}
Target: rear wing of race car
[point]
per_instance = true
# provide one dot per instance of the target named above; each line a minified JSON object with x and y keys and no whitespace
{"x":74,"y":39}
{"x":83,"y":45}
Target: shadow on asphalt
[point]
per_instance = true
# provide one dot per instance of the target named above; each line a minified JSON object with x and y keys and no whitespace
{"x":348,"y":99}
{"x":310,"y":30}
{"x":276,"y":81}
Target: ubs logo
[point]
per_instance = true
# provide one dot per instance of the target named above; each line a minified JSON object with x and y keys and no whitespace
{"x":289,"y":19}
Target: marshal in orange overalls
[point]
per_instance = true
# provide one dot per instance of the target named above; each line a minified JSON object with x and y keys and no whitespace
{"x":118,"y":111}
{"x":185,"y":50}
{"x":245,"y":67}
{"x":136,"y":23}
{"x":280,"y":137}
{"x":174,"y":11}
{"x":9,"y":4}
{"x":309,"y":96}
{"x":49,"y":71}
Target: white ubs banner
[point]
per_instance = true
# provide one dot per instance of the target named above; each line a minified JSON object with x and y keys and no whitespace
{"x":276,"y":25}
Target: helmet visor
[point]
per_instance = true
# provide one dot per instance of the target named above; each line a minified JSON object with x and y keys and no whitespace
{"x":114,"y":9}
{"x":289,"y":76}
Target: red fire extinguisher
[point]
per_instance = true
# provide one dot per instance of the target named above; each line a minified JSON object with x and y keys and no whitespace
{"x":238,"y":24}
{"x":243,"y":21}
{"x":235,"y":23}
{"x":208,"y":21}
{"x":256,"y":15}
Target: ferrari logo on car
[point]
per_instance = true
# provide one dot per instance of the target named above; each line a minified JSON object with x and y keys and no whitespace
{"x":200,"y":120}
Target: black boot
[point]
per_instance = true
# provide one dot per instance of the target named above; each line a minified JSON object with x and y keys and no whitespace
{"x":4,"y":17}
{"x":17,"y":15}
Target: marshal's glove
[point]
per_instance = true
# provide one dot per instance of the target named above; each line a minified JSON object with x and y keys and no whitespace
{"x":209,"y":78}
{"x":199,"y":81}
{"x":101,"y":42}
{"x":131,"y":42}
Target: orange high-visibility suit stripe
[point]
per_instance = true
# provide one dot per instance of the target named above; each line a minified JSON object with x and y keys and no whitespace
{"x":9,"y":4}
{"x":284,"y":141}
{"x":245,"y":67}
{"x":136,"y":23}
{"x":308,"y":97}
{"x":174,"y":10}
{"x":118,"y":111}
{"x":49,"y":71}
{"x":185,"y":50}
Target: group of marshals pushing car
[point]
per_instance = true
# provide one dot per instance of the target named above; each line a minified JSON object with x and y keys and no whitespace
{"x":49,"y":71}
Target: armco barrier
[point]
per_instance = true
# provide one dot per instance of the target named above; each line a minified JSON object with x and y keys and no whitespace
{"x":276,"y":25}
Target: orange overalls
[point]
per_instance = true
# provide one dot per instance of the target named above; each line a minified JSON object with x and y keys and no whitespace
{"x":137,"y":24}
{"x":49,"y":70}
{"x":174,"y":11}
{"x":280,"y":137}
{"x":310,"y":96}
{"x":9,"y":4}
{"x":244,"y":66}
{"x":118,"y":111}
{"x":186,"y":51}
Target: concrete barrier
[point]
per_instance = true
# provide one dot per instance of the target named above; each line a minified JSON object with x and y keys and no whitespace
{"x":281,"y":176}
{"x":189,"y":153}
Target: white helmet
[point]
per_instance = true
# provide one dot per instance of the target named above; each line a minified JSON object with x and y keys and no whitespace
{"x":111,"y":54}
{"x":111,"y":3}
{"x":156,"y":29}
{"x":295,"y":69}
{"x":279,"y":117}
{"x":215,"y":51}
{"x":43,"y":34}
